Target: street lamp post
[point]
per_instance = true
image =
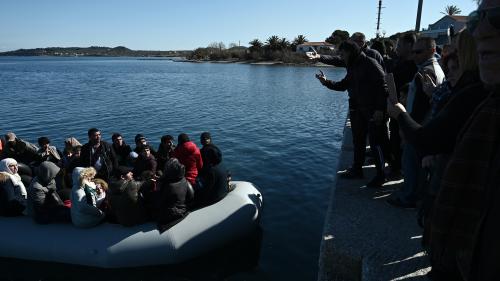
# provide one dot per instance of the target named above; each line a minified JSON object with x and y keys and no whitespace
{"x":419,"y":15}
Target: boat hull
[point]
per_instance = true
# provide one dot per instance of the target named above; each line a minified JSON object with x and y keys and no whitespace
{"x":114,"y":246}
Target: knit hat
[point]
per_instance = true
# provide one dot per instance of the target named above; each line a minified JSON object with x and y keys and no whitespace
{"x":139,"y":137}
{"x":10,"y":136}
{"x":205,"y":135}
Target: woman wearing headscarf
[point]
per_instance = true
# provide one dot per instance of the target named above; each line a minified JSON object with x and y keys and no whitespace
{"x":13,"y":192}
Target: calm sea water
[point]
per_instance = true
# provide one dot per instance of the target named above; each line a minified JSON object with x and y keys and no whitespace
{"x":276,"y":125}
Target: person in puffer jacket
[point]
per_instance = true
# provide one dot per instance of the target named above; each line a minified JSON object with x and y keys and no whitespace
{"x":84,"y":199}
{"x":189,"y":155}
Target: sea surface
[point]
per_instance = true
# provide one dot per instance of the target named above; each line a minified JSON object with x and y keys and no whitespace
{"x":277,"y":127}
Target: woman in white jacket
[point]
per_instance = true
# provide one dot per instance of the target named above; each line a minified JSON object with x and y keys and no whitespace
{"x":13,"y":187}
{"x":85,"y":199}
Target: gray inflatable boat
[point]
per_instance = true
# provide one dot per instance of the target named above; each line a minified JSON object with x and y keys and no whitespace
{"x":114,"y":246}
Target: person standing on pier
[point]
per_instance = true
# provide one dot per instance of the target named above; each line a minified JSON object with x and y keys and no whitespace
{"x":360,"y":40}
{"x":365,"y":83}
{"x":464,"y":228}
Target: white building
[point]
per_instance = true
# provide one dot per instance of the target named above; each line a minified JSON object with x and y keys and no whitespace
{"x":440,"y":30}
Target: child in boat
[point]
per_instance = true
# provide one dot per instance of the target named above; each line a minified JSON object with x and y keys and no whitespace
{"x":85,"y":199}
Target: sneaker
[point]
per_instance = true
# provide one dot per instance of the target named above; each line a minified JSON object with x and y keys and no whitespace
{"x":352,"y":173}
{"x":376,"y":182}
{"x":396,"y":202}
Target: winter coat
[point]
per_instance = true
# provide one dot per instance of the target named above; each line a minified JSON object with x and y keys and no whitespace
{"x":211,"y":184}
{"x":172,"y":202}
{"x":189,"y":155}
{"x":121,"y":153}
{"x":105,"y":153}
{"x":439,"y":134}
{"x":339,"y":62}
{"x":365,"y":83}
{"x":22,"y":151}
{"x":44,"y":204}
{"x":403,"y":70}
{"x":164,"y":153}
{"x":8,"y":206}
{"x":84,"y":210}
{"x":14,"y":187}
{"x":143,"y":164}
{"x":127,"y":203}
{"x":467,"y":192}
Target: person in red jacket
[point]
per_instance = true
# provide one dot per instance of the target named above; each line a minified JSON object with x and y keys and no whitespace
{"x":189,"y":155}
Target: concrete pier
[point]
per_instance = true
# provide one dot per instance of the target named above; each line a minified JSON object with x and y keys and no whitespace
{"x":364,"y":238}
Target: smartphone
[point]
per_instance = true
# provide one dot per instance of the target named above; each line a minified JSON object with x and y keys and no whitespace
{"x":320,"y":74}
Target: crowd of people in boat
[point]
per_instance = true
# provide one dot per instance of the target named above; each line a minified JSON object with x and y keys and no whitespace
{"x":97,"y":181}
{"x":434,"y":119}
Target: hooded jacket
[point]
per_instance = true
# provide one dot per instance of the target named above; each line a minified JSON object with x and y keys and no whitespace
{"x":175,"y":191}
{"x":212,"y":181}
{"x":189,"y":155}
{"x":43,"y":199}
{"x":83,"y":213}
{"x":15,"y":189}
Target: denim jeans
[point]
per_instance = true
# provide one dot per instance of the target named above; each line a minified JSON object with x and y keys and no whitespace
{"x":413,"y":171}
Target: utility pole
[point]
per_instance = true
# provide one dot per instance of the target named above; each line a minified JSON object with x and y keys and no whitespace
{"x":378,"y":18}
{"x":419,"y":15}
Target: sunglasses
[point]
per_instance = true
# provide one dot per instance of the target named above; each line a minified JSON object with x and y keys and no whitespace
{"x":491,"y":15}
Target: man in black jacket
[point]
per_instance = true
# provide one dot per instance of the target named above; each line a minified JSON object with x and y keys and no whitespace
{"x":98,"y":154}
{"x":365,"y":83}
{"x":404,"y":69}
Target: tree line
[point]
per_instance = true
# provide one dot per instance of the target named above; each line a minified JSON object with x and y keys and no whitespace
{"x":275,"y":48}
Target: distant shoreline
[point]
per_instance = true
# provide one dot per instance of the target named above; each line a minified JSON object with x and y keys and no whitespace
{"x":94,"y":51}
{"x":184,"y":59}
{"x":252,"y":62}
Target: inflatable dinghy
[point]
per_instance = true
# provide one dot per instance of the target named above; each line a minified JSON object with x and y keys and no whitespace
{"x":114,"y":246}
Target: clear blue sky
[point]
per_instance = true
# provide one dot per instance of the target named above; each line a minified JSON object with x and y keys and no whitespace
{"x":180,"y":25}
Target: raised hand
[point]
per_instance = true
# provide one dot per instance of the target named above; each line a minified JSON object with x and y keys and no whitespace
{"x":321,"y":77}
{"x":313,"y":55}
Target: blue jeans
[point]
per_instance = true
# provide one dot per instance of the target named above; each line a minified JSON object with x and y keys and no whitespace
{"x":412,"y":169}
